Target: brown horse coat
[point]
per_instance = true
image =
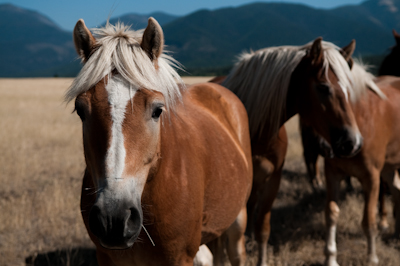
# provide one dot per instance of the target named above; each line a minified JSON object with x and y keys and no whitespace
{"x":197,"y":160}
{"x":201,"y":183}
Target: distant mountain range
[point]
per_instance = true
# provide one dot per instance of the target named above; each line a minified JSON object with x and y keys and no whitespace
{"x":33,"y":45}
{"x":140,"y":21}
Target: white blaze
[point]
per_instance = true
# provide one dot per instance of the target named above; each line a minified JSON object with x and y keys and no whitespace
{"x":119,"y":95}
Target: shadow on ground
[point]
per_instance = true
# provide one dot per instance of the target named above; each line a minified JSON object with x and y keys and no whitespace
{"x":294,"y":216}
{"x":66,"y":257}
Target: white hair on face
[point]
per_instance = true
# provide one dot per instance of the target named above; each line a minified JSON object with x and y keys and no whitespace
{"x":261,"y":80}
{"x":118,"y":48}
{"x":119,"y":94}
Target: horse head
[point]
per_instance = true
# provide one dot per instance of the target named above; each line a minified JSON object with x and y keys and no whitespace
{"x":122,"y":93}
{"x":325,"y":99}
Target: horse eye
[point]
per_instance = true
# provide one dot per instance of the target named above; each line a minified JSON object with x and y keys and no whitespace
{"x":324,"y":89}
{"x":79,"y":110}
{"x":156,"y":113}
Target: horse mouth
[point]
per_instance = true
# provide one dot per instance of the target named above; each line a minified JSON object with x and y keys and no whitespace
{"x":119,"y":245}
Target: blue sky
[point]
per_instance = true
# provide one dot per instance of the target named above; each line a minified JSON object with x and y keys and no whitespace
{"x":66,"y":12}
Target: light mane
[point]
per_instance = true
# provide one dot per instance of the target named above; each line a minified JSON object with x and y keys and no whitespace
{"x":364,"y":79}
{"x":118,"y":48}
{"x":261,"y":80}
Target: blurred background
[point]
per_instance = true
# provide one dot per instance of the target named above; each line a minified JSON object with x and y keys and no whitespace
{"x":204,"y":36}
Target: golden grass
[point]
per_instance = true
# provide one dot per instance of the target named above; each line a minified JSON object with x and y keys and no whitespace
{"x":41,"y":166}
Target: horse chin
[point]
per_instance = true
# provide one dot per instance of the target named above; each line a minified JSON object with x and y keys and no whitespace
{"x":353,"y":152}
{"x":325,"y":149}
{"x":119,"y":246}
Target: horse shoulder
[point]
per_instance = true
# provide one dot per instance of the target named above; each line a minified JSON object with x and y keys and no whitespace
{"x":224,"y":106}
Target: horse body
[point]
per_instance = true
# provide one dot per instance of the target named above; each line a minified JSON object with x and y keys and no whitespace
{"x":184,"y":176}
{"x":378,"y":121}
{"x":274,"y":84}
{"x":268,"y":159}
{"x":183,"y":202}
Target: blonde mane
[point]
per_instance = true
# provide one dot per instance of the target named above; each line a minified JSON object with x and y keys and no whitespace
{"x":118,"y":48}
{"x":261,"y":80}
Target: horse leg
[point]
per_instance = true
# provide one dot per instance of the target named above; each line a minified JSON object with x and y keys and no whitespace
{"x":310,"y":153}
{"x":349,"y":185}
{"x":203,"y":257}
{"x":311,"y":160}
{"x":217,"y":247}
{"x":331,"y":213}
{"x":383,"y":223}
{"x":263,"y":226}
{"x":262,"y":169}
{"x":236,"y":245}
{"x":371,"y":192}
{"x":393,"y":181}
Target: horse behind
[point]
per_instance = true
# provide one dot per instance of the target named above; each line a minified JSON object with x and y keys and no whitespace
{"x":390,"y":65}
{"x":377,"y":115}
{"x":167,"y":168}
{"x":313,"y":80}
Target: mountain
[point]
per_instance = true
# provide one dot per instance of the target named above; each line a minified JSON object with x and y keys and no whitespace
{"x":382,"y":13}
{"x":213,"y":38}
{"x":140,"y":21}
{"x":31,"y":41}
{"x":33,"y":45}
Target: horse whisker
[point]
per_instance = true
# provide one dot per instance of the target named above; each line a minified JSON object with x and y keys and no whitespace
{"x":151,"y":240}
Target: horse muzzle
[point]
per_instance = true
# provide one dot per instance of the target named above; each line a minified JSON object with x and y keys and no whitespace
{"x":348,"y":145}
{"x":115,"y":228}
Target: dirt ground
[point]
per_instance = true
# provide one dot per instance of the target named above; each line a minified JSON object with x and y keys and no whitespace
{"x":41,"y":166}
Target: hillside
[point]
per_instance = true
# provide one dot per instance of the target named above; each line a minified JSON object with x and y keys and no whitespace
{"x":140,"y":21}
{"x":31,"y":41}
{"x":213,"y":38}
{"x":205,"y":40}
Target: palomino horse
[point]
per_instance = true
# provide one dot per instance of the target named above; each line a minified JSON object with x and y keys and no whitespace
{"x":378,"y":118}
{"x":174,"y":161}
{"x":276,"y":83}
{"x":315,"y":146}
{"x":378,"y":115}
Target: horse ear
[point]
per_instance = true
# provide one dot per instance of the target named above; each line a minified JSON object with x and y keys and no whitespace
{"x":84,"y":40}
{"x":153,"y":39}
{"x":348,"y":51}
{"x":396,"y":37}
{"x":316,"y":52}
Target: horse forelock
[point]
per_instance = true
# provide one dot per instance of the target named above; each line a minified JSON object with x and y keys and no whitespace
{"x":118,"y":48}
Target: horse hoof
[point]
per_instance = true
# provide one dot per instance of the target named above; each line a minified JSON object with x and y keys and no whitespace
{"x":331,"y":262}
{"x":383,"y":226}
{"x":373,"y":261}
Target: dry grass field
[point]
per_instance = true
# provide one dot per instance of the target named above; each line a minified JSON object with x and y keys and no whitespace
{"x":41,"y":166}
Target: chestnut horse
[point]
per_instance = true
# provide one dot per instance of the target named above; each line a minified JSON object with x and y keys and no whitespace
{"x":167,"y":168}
{"x":276,"y":83}
{"x":315,"y":146}
{"x":378,"y":116}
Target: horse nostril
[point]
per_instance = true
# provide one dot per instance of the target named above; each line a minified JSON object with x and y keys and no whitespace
{"x":96,"y":222}
{"x":347,"y":147}
{"x":133,"y":224}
